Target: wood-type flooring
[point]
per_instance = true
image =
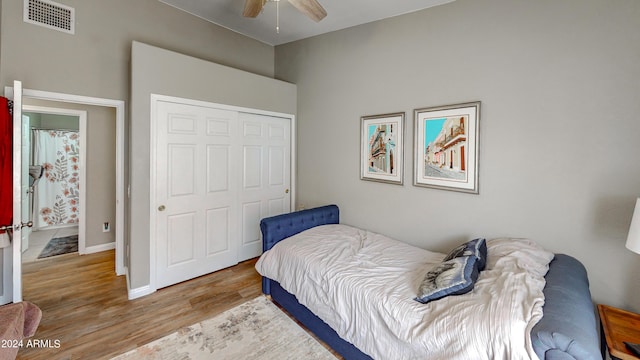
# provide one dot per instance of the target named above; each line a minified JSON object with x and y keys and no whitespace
{"x":87,"y":315}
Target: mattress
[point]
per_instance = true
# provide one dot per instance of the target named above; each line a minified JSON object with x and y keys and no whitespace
{"x":362,"y":284}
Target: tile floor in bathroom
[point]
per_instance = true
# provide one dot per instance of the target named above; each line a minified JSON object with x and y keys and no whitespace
{"x":39,"y":239}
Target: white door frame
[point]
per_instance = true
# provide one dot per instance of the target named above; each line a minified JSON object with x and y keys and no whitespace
{"x":82,"y":178}
{"x":16,"y":254}
{"x":120,"y":142}
{"x":155,"y":98}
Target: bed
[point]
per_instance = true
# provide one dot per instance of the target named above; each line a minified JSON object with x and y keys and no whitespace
{"x":558,"y":322}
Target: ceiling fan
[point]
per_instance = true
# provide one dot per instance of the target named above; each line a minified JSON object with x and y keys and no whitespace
{"x":310,"y":8}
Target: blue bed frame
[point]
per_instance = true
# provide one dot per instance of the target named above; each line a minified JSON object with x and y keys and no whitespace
{"x":567,"y":330}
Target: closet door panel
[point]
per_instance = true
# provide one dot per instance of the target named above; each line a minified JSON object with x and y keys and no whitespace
{"x":267,"y":172}
{"x":252,"y":167}
{"x":196,"y":203}
{"x":218,"y":165}
{"x":218,"y":231}
{"x":251,"y":214}
{"x":181,"y":239}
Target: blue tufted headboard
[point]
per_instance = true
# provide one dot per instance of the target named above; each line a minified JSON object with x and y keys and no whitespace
{"x":280,"y":227}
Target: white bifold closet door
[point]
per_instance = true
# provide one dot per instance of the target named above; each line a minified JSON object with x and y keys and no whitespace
{"x":266,"y":175}
{"x":218,"y":172}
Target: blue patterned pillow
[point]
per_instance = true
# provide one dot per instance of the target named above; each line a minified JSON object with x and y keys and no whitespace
{"x":453,"y":277}
{"x":476,"y":247}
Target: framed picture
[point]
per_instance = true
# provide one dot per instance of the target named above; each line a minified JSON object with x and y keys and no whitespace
{"x":446,"y":147}
{"x":381,"y":150}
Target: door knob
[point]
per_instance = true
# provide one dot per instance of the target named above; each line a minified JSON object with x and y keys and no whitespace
{"x":161,"y":208}
{"x":286,"y":191}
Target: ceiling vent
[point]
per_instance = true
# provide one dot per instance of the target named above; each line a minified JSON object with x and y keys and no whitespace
{"x":50,"y":15}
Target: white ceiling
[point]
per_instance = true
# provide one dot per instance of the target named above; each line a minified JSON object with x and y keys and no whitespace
{"x":294,"y":25}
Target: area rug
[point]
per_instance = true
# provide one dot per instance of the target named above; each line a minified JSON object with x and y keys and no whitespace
{"x":257,"y":329}
{"x":59,"y":246}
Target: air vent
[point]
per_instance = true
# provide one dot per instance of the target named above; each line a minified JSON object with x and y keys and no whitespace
{"x":50,"y":15}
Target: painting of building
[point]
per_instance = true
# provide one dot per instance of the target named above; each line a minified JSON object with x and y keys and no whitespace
{"x":445,"y":149}
{"x":382,"y":148}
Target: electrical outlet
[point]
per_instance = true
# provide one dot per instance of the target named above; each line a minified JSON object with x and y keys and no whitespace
{"x":106,"y":227}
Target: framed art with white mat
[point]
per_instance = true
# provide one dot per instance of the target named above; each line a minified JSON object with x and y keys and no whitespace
{"x":381,"y":148}
{"x":446,"y":146}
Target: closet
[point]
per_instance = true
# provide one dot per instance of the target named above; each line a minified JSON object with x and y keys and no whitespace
{"x":170,"y":245}
{"x":216,"y":170}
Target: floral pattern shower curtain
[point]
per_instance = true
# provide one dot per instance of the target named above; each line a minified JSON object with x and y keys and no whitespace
{"x":57,"y":194}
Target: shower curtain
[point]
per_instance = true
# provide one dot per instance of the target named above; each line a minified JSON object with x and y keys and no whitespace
{"x":57,"y":194}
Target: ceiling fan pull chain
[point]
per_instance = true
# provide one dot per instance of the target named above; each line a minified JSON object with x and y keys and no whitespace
{"x":277,"y":16}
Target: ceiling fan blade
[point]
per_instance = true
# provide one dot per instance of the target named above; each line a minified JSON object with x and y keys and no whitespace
{"x":252,"y":8}
{"x":311,"y":8}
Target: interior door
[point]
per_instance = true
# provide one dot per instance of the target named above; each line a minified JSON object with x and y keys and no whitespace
{"x":266,"y":176}
{"x":17,"y":193}
{"x":196,"y":191}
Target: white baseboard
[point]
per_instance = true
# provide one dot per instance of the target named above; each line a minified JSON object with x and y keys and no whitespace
{"x":99,"y":248}
{"x":131,"y":293}
{"x":138,"y":292}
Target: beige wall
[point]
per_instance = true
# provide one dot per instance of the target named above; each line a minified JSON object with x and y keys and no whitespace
{"x":559,"y":83}
{"x":95,"y":61}
{"x":101,"y":167}
{"x":1,"y":35}
{"x":52,"y":121}
{"x":159,"y":71}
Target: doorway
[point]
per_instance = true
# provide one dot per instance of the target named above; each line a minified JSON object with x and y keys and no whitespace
{"x":117,"y":107}
{"x":54,"y":145}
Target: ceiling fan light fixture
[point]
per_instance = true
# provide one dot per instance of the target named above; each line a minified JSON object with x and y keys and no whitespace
{"x":311,"y":8}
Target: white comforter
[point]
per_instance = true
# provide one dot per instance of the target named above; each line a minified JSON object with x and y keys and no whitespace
{"x":362,"y":284}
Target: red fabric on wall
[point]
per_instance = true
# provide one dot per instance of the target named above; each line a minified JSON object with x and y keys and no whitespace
{"x":6,"y":164}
